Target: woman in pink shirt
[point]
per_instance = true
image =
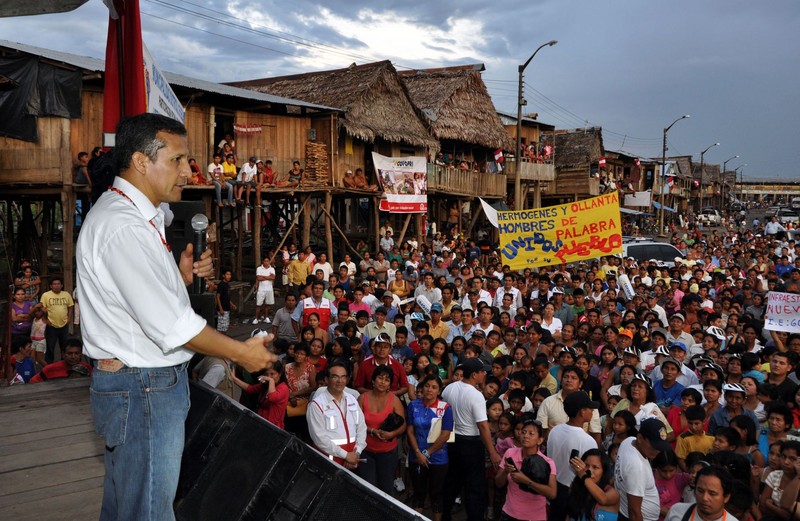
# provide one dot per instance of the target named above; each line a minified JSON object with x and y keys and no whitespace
{"x":530,"y":503}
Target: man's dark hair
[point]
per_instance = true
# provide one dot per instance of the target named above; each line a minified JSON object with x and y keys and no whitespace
{"x":138,"y":134}
{"x":339,"y":363}
{"x":721,"y":473}
{"x":74,"y":342}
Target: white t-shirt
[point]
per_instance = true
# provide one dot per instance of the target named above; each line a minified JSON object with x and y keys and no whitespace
{"x":212,"y":168}
{"x":265,"y":285}
{"x":563,"y":439}
{"x":469,"y":408}
{"x":678,"y":510}
{"x":247,"y":173}
{"x":633,"y":475}
{"x":326,"y":268}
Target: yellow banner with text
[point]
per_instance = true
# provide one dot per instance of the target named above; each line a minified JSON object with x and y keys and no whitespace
{"x":563,"y":233}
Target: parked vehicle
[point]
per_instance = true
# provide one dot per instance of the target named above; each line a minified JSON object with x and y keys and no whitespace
{"x":795,"y":204}
{"x":772,"y":210}
{"x":645,"y":249}
{"x":787,"y":215}
{"x":710,"y":217}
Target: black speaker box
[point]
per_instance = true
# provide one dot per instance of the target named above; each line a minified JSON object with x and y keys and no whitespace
{"x":237,"y":466}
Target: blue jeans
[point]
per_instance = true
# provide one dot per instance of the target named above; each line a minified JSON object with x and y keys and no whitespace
{"x":218,"y":187}
{"x":140,"y":414}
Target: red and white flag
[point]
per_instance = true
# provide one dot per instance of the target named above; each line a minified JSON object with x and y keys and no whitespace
{"x":602,"y":162}
{"x":498,"y":155}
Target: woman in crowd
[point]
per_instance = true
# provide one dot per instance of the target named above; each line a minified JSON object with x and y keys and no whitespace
{"x":751,"y":401}
{"x":273,"y":393}
{"x":427,"y":416}
{"x":313,"y":322}
{"x":21,"y":320}
{"x":530,"y":502}
{"x":316,"y":355}
{"x":302,"y":380}
{"x":641,"y":402}
{"x":399,"y":286}
{"x":378,"y":405}
{"x":550,"y":322}
{"x":592,"y":494}
{"x":441,"y":361}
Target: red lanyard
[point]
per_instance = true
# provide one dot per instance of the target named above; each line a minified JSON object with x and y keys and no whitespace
{"x":160,"y":236}
{"x":344,"y":417}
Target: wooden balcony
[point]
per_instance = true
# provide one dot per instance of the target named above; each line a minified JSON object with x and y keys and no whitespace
{"x":455,"y":181}
{"x":530,"y":171}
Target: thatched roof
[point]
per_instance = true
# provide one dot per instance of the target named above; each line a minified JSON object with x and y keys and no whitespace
{"x":375,"y":102}
{"x":576,"y":148}
{"x":457,"y":105}
{"x":685,"y":166}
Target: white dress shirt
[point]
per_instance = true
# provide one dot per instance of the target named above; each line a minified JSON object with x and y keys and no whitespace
{"x":134,"y":303}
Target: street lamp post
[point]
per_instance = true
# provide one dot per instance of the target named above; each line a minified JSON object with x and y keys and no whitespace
{"x":703,"y":172}
{"x":741,"y":180}
{"x":661,"y":232}
{"x":724,"y":169}
{"x":518,"y":204}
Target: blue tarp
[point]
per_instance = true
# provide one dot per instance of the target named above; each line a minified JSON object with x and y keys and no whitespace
{"x":657,"y":206}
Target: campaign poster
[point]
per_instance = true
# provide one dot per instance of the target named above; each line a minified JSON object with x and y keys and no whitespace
{"x":559,"y":234}
{"x":404,"y":182}
{"x":783,"y":312}
{"x":160,"y":97}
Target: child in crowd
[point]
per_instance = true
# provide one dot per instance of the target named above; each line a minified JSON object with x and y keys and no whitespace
{"x":538,"y":397}
{"x":670,"y":482}
{"x":516,"y":401}
{"x":623,"y":426}
{"x":677,"y":414}
{"x":726,"y":439}
{"x":21,"y":360}
{"x":37,"y":333}
{"x":694,"y":462}
{"x":494,"y":409}
{"x":695,"y":438}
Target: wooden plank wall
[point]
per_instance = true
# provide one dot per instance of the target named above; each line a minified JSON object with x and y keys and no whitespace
{"x":35,"y":163}
{"x":87,"y":132}
{"x":282,"y":139}
{"x":197,"y":122}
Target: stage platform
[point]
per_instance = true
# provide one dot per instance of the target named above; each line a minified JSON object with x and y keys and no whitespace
{"x":51,"y":461}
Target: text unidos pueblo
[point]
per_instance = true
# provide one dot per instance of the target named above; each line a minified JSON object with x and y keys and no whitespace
{"x":571,"y":237}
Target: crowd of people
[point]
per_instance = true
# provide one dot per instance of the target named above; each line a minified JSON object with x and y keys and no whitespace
{"x":439,"y":375}
{"x":429,"y":368}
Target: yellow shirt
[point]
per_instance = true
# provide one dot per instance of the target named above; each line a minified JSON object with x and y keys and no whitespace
{"x":441,"y":330}
{"x":298,"y":272}
{"x":229,"y":171}
{"x":688,"y":443}
{"x":57,"y":307}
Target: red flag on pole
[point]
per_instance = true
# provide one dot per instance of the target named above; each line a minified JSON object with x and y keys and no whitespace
{"x":124,"y":89}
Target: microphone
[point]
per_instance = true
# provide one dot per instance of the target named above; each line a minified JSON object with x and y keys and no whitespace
{"x":199,"y":225}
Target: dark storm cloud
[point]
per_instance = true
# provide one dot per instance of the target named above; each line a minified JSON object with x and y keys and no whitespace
{"x":629,"y":66}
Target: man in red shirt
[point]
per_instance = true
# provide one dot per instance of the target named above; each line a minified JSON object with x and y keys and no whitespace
{"x":381,"y":347}
{"x":70,"y":366}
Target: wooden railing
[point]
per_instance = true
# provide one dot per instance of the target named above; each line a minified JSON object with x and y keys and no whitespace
{"x":531,"y":171}
{"x":446,"y":179}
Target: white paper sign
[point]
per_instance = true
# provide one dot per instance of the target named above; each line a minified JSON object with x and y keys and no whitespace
{"x":783,"y":312}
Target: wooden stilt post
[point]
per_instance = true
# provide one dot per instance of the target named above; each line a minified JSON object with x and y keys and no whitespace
{"x":376,"y":217}
{"x":306,"y":222}
{"x":240,"y":233}
{"x":328,"y":232}
{"x":403,"y":231}
{"x":256,"y":216}
{"x":67,"y":209}
{"x":288,"y":231}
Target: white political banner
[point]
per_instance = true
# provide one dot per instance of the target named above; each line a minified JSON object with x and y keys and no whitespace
{"x":160,"y":97}
{"x":404,"y":181}
{"x":783,"y":312}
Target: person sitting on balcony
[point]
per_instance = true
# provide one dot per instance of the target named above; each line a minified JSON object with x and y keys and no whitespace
{"x":440,"y":159}
{"x":361,"y":181}
{"x":349,"y":181}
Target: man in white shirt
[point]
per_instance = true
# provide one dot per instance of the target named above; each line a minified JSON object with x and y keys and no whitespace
{"x":265,"y":296}
{"x":246,"y":179}
{"x":471,"y":427}
{"x":217,"y":178}
{"x":713,"y":489}
{"x":633,"y":475}
{"x":336,"y":423}
{"x":569,"y":440}
{"x":138,"y":324}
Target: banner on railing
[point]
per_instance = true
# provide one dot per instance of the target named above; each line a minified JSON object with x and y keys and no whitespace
{"x":404,"y":181}
{"x":559,"y":234}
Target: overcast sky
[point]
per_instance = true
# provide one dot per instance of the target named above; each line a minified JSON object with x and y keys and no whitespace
{"x":629,"y":66}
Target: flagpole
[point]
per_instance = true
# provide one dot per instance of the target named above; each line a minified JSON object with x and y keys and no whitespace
{"x":661,"y":231}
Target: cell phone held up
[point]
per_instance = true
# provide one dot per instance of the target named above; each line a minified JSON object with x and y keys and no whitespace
{"x":574,"y":453}
{"x":511,"y":463}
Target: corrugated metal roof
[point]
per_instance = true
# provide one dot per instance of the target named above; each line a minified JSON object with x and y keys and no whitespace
{"x":95,"y":64}
{"x":526,"y":119}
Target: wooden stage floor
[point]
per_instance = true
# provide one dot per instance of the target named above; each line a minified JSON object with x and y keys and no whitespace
{"x":51,"y":461}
